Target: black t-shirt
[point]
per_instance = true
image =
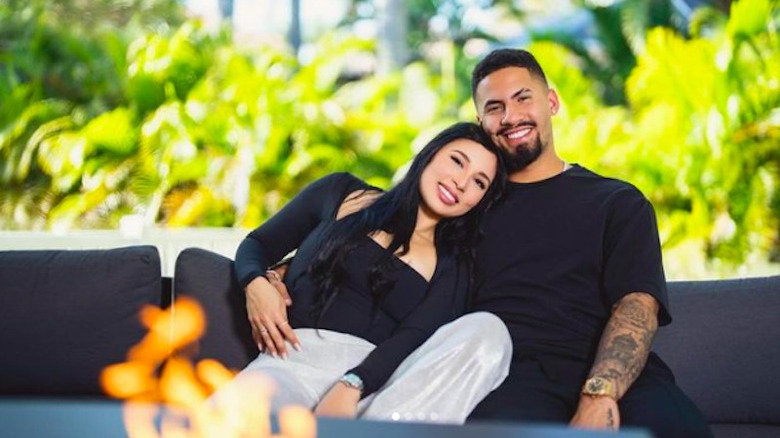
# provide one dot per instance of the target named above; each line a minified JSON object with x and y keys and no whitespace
{"x":412,"y":310}
{"x":559,"y":253}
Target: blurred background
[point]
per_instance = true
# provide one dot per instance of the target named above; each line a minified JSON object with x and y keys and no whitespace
{"x":205,"y":116}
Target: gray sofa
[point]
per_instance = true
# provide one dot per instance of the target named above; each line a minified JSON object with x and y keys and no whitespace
{"x":64,"y":315}
{"x":723,"y":346}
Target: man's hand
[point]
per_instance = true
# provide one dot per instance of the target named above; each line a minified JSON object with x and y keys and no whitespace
{"x":596,"y":413}
{"x":340,"y":401}
{"x":267,"y":315}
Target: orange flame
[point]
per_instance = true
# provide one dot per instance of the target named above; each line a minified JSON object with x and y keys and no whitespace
{"x":129,"y":380}
{"x":297,"y":422}
{"x":159,"y":382}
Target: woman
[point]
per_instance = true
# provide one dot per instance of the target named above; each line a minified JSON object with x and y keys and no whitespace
{"x":373,"y":277}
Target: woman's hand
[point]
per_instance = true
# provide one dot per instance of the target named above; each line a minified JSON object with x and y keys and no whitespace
{"x":275,"y":277}
{"x":340,"y":401}
{"x":267,"y":315}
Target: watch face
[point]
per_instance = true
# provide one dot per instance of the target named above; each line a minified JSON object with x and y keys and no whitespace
{"x":353,"y":380}
{"x":596,"y":385}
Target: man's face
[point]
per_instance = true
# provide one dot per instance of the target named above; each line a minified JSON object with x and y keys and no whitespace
{"x":516,"y":109}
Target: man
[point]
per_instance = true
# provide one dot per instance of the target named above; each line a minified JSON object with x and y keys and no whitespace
{"x":572,"y":264}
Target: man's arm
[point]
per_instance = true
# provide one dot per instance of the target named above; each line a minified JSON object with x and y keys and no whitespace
{"x":621,"y":356}
{"x":625,"y":343}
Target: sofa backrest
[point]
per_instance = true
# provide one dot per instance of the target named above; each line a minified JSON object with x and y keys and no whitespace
{"x":66,"y":315}
{"x":723,"y":346}
{"x":208,"y":278}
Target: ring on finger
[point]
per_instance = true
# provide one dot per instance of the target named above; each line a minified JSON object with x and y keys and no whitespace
{"x":263,"y":331}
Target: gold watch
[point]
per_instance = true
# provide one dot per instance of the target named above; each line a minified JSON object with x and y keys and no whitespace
{"x":599,"y":386}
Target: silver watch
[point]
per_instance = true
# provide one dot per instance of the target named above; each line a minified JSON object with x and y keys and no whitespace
{"x":353,"y":381}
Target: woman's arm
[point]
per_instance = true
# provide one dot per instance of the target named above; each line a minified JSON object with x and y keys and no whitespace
{"x":285,"y":230}
{"x":340,"y":401}
{"x":444,"y":302}
{"x":268,"y":243}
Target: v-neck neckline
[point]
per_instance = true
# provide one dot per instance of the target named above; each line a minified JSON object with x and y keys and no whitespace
{"x":335,"y":218}
{"x":407,"y":265}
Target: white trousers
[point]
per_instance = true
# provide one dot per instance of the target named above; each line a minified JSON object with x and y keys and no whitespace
{"x":442,"y":381}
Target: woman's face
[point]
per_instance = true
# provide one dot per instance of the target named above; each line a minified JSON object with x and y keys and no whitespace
{"x":457,"y":178}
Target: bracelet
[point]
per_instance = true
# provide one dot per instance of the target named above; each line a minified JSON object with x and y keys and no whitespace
{"x":272,"y":274}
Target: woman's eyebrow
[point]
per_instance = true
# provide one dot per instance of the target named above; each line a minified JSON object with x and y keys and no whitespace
{"x":465,"y":157}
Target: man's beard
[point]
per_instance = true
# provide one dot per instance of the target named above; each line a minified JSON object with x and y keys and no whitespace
{"x":521,"y":156}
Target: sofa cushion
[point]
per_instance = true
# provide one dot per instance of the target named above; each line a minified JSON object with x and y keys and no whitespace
{"x":724,"y":347}
{"x":745,"y":430}
{"x":65,"y":315}
{"x":208,"y":278}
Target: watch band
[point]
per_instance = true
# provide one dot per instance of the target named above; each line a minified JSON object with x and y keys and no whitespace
{"x":353,"y":381}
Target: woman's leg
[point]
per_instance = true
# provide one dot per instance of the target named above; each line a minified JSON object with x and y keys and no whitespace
{"x":448,"y":375}
{"x":306,"y":375}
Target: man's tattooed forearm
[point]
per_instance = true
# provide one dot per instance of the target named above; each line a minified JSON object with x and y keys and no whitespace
{"x":625,"y":343}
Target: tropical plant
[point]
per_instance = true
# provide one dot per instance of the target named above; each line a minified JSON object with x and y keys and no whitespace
{"x":196,"y":131}
{"x":700,"y":138}
{"x":61,"y":65}
{"x":608,"y":51}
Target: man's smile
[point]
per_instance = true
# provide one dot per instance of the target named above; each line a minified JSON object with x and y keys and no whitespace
{"x":519,"y":134}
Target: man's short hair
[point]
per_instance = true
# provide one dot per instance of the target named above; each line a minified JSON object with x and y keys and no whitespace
{"x":503,"y":58}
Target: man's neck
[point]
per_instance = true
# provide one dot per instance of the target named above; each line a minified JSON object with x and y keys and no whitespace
{"x":543,"y":168}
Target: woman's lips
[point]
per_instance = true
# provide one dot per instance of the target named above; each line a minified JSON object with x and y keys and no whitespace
{"x":446,"y":195}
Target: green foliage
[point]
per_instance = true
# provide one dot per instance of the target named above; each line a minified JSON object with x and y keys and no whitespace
{"x":620,"y":35}
{"x":187,"y":129}
{"x":451,"y":14}
{"x":700,"y":137}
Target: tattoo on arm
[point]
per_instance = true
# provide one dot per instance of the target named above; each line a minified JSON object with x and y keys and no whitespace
{"x":610,"y":419}
{"x":625,"y":343}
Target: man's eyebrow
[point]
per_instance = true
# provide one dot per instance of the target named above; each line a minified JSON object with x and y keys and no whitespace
{"x":519,"y":92}
{"x":498,"y":101}
{"x":491,"y":102}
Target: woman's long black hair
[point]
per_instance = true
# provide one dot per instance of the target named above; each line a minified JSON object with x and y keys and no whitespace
{"x":395,"y":212}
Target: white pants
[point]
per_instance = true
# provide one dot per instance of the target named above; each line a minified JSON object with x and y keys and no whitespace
{"x":441,"y":381}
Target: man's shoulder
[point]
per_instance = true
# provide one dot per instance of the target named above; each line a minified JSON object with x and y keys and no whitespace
{"x":605,"y":185}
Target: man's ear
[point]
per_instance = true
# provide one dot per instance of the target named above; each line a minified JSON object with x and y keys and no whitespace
{"x":554,"y":101}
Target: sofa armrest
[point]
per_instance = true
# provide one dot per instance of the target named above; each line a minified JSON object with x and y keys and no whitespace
{"x":724,"y":347}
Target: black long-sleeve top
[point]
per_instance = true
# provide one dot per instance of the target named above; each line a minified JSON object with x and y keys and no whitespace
{"x":412,"y":310}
